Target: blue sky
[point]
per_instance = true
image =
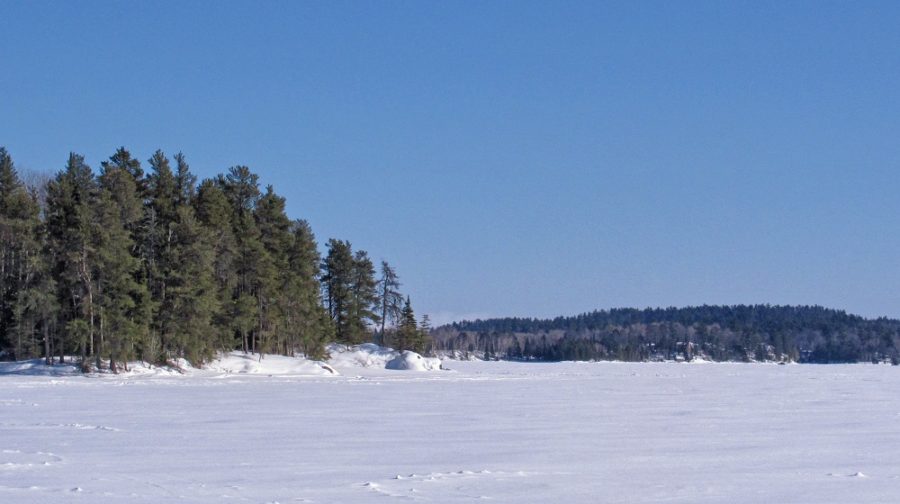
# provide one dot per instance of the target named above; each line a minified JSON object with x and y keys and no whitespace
{"x":510,"y":158}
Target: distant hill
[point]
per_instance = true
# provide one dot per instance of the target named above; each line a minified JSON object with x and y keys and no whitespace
{"x":720,"y":333}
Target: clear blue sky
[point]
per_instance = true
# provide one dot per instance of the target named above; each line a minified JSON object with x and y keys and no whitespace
{"x":510,"y":158}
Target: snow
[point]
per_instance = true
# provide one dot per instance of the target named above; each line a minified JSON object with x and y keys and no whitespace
{"x":368,"y":356}
{"x":288,"y":430}
{"x":411,"y":361}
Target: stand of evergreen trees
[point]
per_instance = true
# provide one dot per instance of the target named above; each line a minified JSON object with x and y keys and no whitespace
{"x":127,"y":264}
{"x":721,"y":333}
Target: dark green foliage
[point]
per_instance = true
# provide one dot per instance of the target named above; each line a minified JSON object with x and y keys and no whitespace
{"x":411,"y":335}
{"x":306,"y":322}
{"x":363,"y":298}
{"x":351,"y":292}
{"x":26,"y":301}
{"x":122,"y":266}
{"x":736,"y":333}
{"x":408,"y":335}
{"x":71,"y":229}
{"x":185,"y":315}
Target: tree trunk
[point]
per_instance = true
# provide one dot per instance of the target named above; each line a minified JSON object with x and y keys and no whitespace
{"x":47,"y":356}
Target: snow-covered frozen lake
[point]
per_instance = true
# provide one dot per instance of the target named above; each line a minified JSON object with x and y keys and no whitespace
{"x":502,"y":432}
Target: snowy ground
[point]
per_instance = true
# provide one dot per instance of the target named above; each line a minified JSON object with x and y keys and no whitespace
{"x":501,"y":432}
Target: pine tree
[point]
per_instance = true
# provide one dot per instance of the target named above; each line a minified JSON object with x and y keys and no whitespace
{"x":407,"y":334}
{"x":185,"y":181}
{"x":307,"y":323}
{"x":126,"y":265}
{"x":214,"y":213}
{"x":70,"y":230}
{"x":424,"y":344}
{"x":124,"y":299}
{"x":253,"y":265}
{"x":390,"y":297}
{"x":363,"y":298}
{"x":23,"y":270}
{"x":186,"y":314}
{"x":337,"y":274}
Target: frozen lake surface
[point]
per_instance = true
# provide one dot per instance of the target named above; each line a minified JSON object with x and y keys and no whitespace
{"x":492,"y":431}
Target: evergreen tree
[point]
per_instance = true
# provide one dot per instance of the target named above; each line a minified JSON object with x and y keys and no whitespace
{"x":125,"y":304}
{"x":214,"y":212}
{"x":185,"y":181}
{"x":424,"y":343}
{"x":187,"y":311}
{"x":408,"y":335}
{"x":253,"y":265}
{"x":363,"y":298}
{"x":390,"y":297}
{"x":275,"y":235}
{"x":307,"y":323}
{"x":24,"y":303}
{"x":122,"y":265}
{"x":337,"y":274}
{"x":70,"y":230}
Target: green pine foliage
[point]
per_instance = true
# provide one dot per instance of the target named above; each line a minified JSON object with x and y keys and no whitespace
{"x":410,"y":335}
{"x":25,"y":306}
{"x":128,"y":264}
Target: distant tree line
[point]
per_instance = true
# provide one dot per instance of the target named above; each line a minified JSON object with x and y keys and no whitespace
{"x":720,"y":333}
{"x":126,"y":264}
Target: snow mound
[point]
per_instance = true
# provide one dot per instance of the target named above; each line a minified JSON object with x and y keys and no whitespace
{"x":412,"y":361}
{"x":240,"y":363}
{"x":370,"y":355}
{"x":367,"y":355}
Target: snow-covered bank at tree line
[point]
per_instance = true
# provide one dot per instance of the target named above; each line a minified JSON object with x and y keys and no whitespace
{"x":358,"y":359}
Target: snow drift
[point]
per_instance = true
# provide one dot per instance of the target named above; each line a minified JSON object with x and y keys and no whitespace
{"x":348,"y":359}
{"x":412,"y":361}
{"x":370,"y":355}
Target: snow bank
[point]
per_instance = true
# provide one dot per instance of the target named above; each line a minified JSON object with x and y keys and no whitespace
{"x":413,"y":362}
{"x":370,"y":355}
{"x":230,"y":363}
{"x":237,"y":362}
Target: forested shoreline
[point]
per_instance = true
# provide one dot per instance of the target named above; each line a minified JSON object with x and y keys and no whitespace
{"x":124,"y":264}
{"x":742,"y":333}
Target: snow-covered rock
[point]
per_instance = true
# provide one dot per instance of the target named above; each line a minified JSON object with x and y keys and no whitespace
{"x":411,"y":361}
{"x":367,"y":355}
{"x":372,"y":356}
